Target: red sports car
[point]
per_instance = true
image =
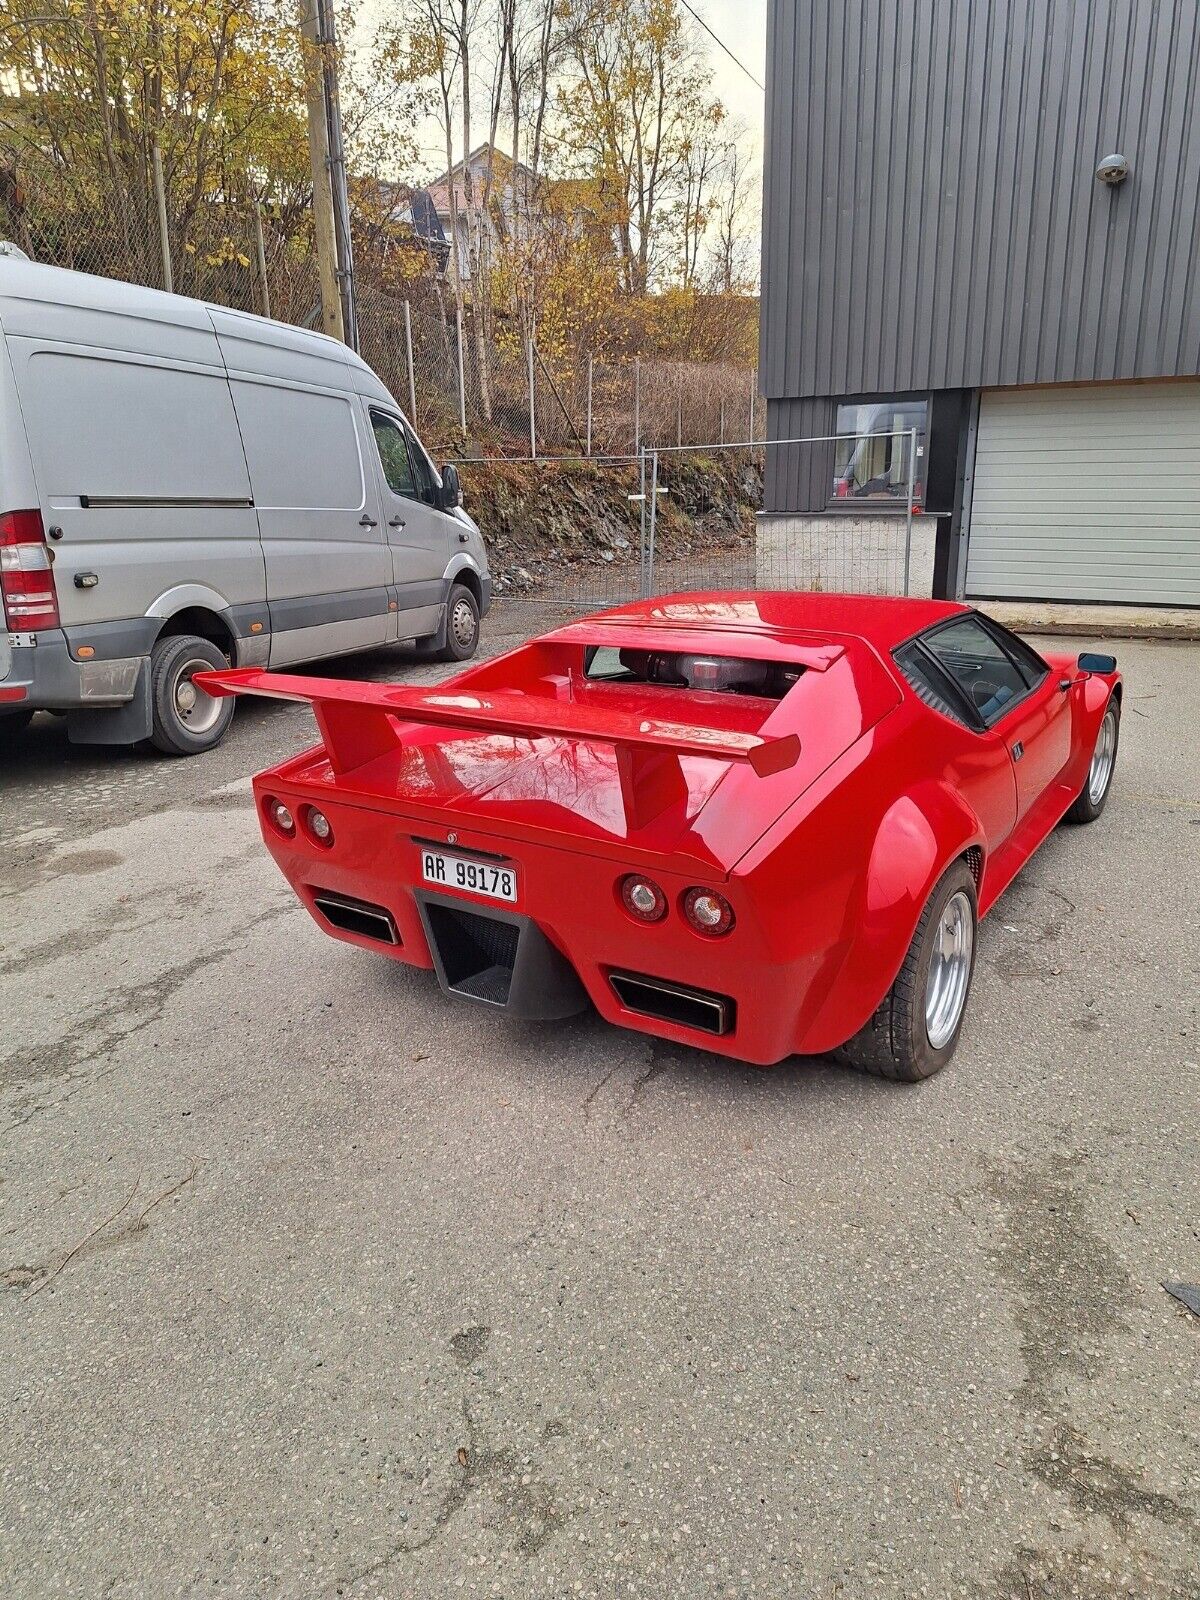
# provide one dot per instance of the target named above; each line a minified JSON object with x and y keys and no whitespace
{"x":757,"y":823}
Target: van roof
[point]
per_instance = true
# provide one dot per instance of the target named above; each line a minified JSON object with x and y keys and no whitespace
{"x":37,"y":281}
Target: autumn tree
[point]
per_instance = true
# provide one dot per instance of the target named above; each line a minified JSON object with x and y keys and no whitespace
{"x":636,"y":110}
{"x":104,"y":89}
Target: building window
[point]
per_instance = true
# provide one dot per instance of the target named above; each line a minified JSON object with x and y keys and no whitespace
{"x":871,"y":452}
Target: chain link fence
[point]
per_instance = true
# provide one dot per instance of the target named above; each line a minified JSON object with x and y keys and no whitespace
{"x":580,"y":534}
{"x":467,"y":394}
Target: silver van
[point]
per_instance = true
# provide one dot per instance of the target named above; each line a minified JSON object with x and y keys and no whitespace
{"x":183,"y":486}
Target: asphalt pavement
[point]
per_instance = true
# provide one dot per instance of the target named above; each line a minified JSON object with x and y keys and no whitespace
{"x":316,"y":1282}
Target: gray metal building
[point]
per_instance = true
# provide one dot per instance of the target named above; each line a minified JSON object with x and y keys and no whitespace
{"x":944,"y":248}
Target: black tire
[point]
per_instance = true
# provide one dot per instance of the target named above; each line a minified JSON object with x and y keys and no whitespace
{"x":14,"y":722}
{"x":462,"y":625}
{"x":1087,"y":809}
{"x":895,"y":1043}
{"x":177,"y":730}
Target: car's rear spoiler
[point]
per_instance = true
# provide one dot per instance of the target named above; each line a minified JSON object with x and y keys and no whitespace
{"x":358,"y":722}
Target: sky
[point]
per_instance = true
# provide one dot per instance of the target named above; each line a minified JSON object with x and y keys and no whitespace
{"x":740,"y":24}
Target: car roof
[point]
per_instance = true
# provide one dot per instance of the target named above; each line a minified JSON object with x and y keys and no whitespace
{"x":879,"y":620}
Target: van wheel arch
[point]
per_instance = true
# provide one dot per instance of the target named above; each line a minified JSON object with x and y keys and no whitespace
{"x":200,"y":623}
{"x":469,"y":579}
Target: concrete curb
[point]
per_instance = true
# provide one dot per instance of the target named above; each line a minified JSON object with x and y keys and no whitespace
{"x":1096,"y":622}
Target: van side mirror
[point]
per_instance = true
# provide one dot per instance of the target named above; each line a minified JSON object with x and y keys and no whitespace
{"x":1093,"y":661}
{"x":451,"y":487}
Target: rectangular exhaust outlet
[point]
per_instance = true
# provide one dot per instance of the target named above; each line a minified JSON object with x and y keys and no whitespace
{"x":357,"y":916}
{"x":673,"y":1002}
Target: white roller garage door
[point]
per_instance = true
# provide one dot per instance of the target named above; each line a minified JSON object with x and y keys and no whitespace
{"x":1088,"y":494}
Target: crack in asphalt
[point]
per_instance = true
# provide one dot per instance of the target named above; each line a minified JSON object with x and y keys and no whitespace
{"x":1063,"y":1276}
{"x":125,"y":1012}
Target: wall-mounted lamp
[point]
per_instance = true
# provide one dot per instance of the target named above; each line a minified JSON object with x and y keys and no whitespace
{"x":1113,"y":170}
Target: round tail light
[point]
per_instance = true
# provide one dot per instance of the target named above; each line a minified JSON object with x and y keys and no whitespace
{"x":643,"y":899}
{"x":318,"y":825}
{"x":281,"y":816}
{"x":708,"y":912}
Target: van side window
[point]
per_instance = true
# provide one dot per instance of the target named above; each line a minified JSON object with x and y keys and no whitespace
{"x":422,"y":471}
{"x":393,"y":455}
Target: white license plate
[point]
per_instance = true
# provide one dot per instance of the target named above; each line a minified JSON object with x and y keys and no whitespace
{"x":448,"y":871}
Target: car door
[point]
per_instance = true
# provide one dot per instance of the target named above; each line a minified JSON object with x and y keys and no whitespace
{"x":417,"y":532}
{"x":1015,"y":695}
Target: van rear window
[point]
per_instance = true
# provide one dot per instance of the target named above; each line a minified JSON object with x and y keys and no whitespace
{"x":672,"y":669}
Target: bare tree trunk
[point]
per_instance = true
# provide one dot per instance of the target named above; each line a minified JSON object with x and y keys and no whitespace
{"x":474,"y":220}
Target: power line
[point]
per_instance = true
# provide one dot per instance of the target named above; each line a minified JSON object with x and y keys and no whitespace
{"x":722,"y":44}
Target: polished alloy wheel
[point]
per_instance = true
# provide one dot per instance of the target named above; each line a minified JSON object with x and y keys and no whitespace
{"x":462,"y":623}
{"x":949,"y":970}
{"x":1103,"y":757}
{"x":197,"y":711}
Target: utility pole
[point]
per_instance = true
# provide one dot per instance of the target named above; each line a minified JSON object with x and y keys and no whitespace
{"x":324,"y":231}
{"x":327,"y":39}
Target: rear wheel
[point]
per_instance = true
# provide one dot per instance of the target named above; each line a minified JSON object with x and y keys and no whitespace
{"x":915,"y":1030}
{"x":462,"y":625}
{"x":13,"y":722}
{"x":186,"y":721}
{"x":1092,"y":797}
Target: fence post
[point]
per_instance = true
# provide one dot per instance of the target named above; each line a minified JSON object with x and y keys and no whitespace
{"x":643,"y":587}
{"x":462,"y":382}
{"x":532,"y":406}
{"x":653,"y":522}
{"x":412,"y":378}
{"x":589,"y":407}
{"x":160,"y":196}
{"x":908,"y":522}
{"x":637,"y":404}
{"x":722,"y":419}
{"x":261,"y":248}
{"x":753,"y":395}
{"x":679,"y":413}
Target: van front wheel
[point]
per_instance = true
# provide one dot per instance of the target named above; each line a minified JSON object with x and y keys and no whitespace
{"x":462,"y":625}
{"x":186,"y":721}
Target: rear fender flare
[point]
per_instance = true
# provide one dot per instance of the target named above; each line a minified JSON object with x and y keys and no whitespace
{"x":919,"y":836}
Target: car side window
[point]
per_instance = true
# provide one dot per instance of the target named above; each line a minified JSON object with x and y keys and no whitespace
{"x":393,"y":455}
{"x":426,"y":487}
{"x":979,"y":665}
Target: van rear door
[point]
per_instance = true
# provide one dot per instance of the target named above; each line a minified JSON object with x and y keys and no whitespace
{"x":138,"y":461}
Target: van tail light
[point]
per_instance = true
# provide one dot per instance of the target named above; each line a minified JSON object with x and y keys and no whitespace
{"x":26,"y":574}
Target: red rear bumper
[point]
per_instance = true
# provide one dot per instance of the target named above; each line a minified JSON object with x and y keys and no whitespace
{"x":580,"y":934}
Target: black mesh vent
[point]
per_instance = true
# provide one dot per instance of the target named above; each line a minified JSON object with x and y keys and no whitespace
{"x":477,"y":952}
{"x":923,"y":679}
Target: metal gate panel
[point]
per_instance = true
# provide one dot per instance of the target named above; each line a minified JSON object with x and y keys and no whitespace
{"x":1088,"y":493}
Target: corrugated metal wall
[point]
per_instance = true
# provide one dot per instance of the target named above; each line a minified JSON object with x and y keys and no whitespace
{"x":799,"y":477}
{"x":931,"y":214}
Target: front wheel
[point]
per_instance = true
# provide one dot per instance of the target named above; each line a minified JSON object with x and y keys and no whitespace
{"x":462,"y":625}
{"x":186,"y":721}
{"x":915,"y":1030}
{"x":1092,"y":797}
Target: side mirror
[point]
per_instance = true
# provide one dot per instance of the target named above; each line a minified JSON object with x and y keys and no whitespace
{"x":1092,"y":661}
{"x":451,"y":487}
